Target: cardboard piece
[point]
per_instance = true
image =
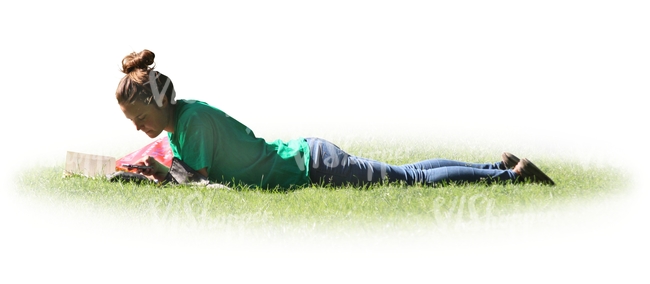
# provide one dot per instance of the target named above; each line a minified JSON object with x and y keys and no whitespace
{"x":89,"y":165}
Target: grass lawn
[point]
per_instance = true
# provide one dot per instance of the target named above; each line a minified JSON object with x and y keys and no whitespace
{"x":323,"y":211}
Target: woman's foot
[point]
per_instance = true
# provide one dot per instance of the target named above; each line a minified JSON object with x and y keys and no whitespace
{"x":529,"y":172}
{"x":509,"y":160}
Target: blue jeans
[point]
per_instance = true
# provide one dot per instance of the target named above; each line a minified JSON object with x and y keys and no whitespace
{"x":331,"y":165}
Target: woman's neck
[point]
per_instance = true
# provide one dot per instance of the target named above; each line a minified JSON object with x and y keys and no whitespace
{"x":171,"y":119}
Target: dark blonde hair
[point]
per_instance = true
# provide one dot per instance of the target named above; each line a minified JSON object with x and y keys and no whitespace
{"x":141,"y":82}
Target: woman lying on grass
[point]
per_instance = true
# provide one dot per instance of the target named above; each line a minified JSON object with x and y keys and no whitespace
{"x":227,"y":152}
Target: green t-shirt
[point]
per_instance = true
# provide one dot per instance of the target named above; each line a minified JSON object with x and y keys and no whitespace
{"x":206,"y":137}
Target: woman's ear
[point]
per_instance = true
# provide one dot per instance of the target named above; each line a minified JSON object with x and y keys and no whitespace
{"x":165,"y":102}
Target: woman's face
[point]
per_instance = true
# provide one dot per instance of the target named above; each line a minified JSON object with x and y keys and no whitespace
{"x":147,"y":118}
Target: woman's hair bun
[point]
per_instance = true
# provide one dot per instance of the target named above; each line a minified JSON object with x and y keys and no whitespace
{"x":138,"y":61}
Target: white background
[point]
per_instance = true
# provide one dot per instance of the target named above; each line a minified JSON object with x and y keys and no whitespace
{"x":568,"y":77}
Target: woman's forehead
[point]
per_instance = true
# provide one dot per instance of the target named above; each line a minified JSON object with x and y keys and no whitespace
{"x":135,"y":109}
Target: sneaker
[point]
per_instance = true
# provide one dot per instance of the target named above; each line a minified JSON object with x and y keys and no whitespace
{"x":509,"y":161}
{"x":528,"y":171}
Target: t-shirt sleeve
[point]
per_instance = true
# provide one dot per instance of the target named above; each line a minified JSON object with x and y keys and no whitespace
{"x":197,"y":146}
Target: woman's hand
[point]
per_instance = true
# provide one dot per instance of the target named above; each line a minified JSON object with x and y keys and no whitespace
{"x":157,"y":171}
